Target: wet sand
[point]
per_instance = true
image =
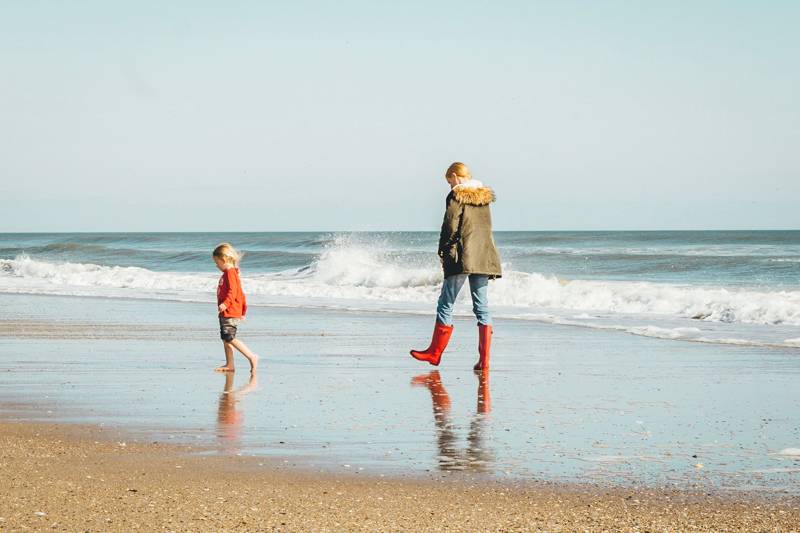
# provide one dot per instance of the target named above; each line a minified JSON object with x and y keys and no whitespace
{"x":115,"y":421}
{"x":69,"y":478}
{"x":337,"y":391}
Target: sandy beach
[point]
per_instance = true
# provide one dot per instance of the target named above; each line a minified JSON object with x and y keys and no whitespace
{"x":114,"y":421}
{"x":82,"y":478}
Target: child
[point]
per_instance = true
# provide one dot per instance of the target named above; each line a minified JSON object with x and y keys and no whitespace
{"x":232,"y":306}
{"x":467,"y":251}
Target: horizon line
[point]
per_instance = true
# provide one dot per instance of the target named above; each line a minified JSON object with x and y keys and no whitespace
{"x":401,"y":231}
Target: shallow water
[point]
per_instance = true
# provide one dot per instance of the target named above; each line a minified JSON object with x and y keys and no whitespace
{"x":725,"y":287}
{"x":337,"y":391}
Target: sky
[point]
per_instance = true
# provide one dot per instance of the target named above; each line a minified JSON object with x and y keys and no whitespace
{"x":298,"y":115}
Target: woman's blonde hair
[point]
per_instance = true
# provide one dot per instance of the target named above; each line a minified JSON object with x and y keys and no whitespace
{"x":460,"y":169}
{"x":227,"y":254}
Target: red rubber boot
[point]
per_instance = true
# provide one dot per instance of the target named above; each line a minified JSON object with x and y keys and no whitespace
{"x":441,"y":336}
{"x":484,"y":347}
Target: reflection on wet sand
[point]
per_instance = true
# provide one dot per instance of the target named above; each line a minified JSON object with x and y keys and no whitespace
{"x":476,"y":457}
{"x":229,"y":416}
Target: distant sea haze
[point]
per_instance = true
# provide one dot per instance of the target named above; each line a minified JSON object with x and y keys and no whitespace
{"x":737,"y":287}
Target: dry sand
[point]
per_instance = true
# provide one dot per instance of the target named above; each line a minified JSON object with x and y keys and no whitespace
{"x":79,"y":478}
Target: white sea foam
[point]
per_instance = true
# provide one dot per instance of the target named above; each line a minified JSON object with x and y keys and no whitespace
{"x":42,"y":274}
{"x":663,"y":333}
{"x":691,"y":334}
{"x":356,"y":266}
{"x":708,"y":303}
{"x":789,"y":452}
{"x":348,"y":271}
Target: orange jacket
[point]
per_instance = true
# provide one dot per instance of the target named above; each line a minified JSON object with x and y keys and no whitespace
{"x":229,"y":292}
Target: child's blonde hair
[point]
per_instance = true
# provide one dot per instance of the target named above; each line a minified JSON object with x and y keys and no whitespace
{"x":460,"y":169}
{"x":228,"y":254}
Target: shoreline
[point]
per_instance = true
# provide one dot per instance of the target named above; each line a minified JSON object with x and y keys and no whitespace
{"x":674,"y":328}
{"x":64,"y":476}
{"x":567,"y":404}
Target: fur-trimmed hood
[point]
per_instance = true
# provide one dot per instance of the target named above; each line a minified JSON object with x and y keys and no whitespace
{"x":473,"y":192}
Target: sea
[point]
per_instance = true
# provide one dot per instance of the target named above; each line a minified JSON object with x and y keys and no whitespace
{"x":658,"y":359}
{"x":720,"y":287}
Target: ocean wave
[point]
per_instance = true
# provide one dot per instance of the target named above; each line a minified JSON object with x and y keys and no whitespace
{"x":42,"y":274}
{"x":716,"y":304}
{"x":344,"y":263}
{"x":68,"y":248}
{"x":782,"y":253}
{"x":348,"y":270}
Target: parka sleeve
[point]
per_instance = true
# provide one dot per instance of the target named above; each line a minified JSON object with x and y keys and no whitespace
{"x":450,"y":226}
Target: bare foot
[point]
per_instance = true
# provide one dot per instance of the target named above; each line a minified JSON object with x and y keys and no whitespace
{"x":253,"y":363}
{"x":224,"y":368}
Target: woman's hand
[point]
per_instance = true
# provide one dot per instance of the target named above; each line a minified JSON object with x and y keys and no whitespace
{"x":222,"y":308}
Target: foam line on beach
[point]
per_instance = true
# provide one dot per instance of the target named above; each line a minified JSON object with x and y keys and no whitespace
{"x":789,"y":452}
{"x":688,"y":334}
{"x":358,"y":275}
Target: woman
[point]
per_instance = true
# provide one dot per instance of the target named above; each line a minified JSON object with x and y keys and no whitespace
{"x":468,"y":252}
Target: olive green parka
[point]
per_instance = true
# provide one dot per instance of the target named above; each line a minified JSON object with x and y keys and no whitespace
{"x":466,"y":243}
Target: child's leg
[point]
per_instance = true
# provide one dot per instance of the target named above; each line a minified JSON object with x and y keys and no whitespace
{"x":228,"y":366}
{"x":242,"y":347}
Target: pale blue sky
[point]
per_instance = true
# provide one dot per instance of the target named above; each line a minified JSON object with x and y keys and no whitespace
{"x":171,"y":116}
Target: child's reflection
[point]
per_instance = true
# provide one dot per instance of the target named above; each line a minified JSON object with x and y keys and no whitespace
{"x":229,"y":417}
{"x":475,"y":457}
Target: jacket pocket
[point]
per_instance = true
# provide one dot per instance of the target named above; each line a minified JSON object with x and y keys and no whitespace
{"x":451,"y":256}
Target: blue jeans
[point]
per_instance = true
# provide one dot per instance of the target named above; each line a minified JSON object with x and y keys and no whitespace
{"x":478,"y":289}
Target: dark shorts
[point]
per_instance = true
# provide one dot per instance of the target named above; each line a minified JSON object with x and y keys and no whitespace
{"x":227,"y":328}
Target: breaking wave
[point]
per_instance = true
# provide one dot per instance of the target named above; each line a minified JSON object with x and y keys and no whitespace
{"x":348,"y":271}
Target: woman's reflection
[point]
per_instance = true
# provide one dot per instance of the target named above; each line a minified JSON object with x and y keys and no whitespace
{"x":229,"y":416}
{"x":475,"y":457}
